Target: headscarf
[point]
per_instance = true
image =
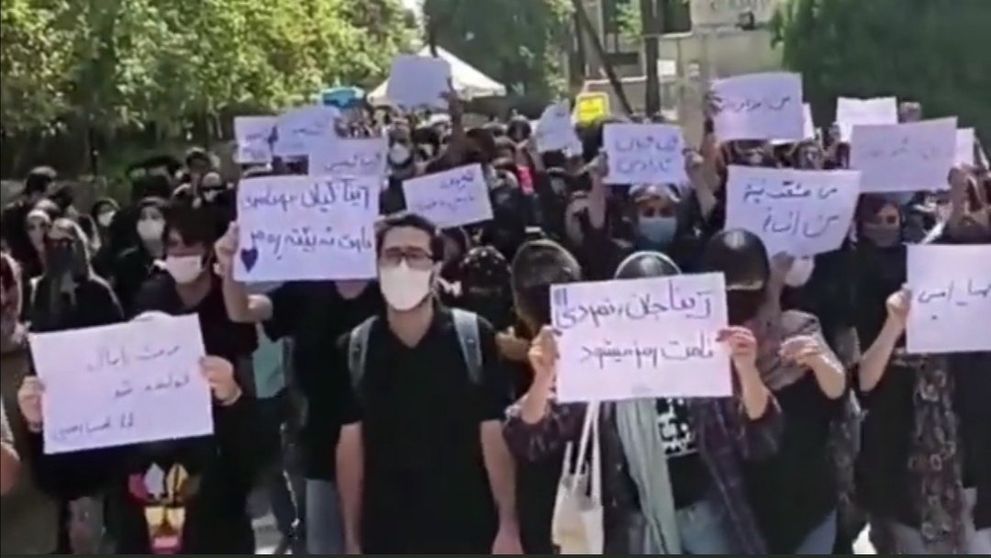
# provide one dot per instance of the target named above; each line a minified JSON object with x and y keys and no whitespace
{"x":66,"y":264}
{"x":10,"y":303}
{"x":485,"y":285}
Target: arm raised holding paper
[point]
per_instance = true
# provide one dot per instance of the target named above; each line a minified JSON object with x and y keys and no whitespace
{"x":241,"y":306}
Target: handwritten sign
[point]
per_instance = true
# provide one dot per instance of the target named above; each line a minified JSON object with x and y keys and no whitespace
{"x":965,"y":146}
{"x":800,"y":212}
{"x":904,"y":157}
{"x":554,"y":131}
{"x":350,"y":157}
{"x":452,"y":198}
{"x":644,"y":153}
{"x":590,"y":107}
{"x":759,"y":106}
{"x":254,"y":135}
{"x":306,"y":228}
{"x":640,"y":338}
{"x":299,"y":130}
{"x":122,"y":384}
{"x":864,"y":112}
{"x":418,"y":81}
{"x":951,"y":298}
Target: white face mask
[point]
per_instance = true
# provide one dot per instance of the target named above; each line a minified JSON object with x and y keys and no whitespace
{"x":105,"y":218}
{"x":399,"y":154}
{"x":404,"y":288}
{"x":184,"y":269}
{"x":150,"y":230}
{"x":800,"y":272}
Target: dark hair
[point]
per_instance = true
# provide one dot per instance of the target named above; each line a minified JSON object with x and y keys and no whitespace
{"x":197,"y":154}
{"x":647,"y":264}
{"x":495,"y":128}
{"x":39,"y":179}
{"x":485,"y":140}
{"x":543,"y":262}
{"x":425,"y":134}
{"x":740,"y":255}
{"x":194,"y":224}
{"x":519,"y":124}
{"x":413,"y":221}
{"x":64,"y":196}
{"x":101,"y":203}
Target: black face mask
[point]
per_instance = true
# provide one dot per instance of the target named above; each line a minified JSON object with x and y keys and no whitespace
{"x":743,"y":305}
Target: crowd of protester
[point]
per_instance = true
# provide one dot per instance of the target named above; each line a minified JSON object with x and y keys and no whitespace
{"x":381,"y":417}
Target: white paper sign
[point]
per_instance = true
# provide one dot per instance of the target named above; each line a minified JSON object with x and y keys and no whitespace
{"x":306,"y":228}
{"x":644,"y":154}
{"x":123,"y":384}
{"x":418,"y":81}
{"x":864,"y":112}
{"x":300,"y":130}
{"x":965,"y":146}
{"x":904,"y":157}
{"x":800,"y":212}
{"x":254,"y":135}
{"x":554,"y":130}
{"x":451,"y":198}
{"x":759,"y":106}
{"x":637,"y":338}
{"x":350,"y":157}
{"x":951,"y":298}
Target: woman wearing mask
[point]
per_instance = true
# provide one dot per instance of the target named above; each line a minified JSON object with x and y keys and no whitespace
{"x":794,"y":493}
{"x":672,"y":468}
{"x":135,"y":265}
{"x":103,"y":212}
{"x":879,"y":262}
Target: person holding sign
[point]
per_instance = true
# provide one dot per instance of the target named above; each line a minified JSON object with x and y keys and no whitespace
{"x":684,"y":456}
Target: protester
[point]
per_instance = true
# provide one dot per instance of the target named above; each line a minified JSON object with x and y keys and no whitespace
{"x":413,"y":477}
{"x":14,"y":216}
{"x":137,"y":264}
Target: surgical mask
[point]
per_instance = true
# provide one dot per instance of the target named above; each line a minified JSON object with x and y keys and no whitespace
{"x":404,"y":288}
{"x":399,"y":155}
{"x":184,"y":269}
{"x":150,"y":230}
{"x":800,"y":272}
{"x":659,"y":230}
{"x":882,"y":236}
{"x":105,"y":218}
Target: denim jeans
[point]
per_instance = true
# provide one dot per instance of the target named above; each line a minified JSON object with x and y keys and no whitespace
{"x":704,"y":529}
{"x":324,"y":534}
{"x":908,"y":540}
{"x":821,"y":538}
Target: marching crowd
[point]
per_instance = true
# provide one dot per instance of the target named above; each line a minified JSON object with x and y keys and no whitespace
{"x":417,"y":413}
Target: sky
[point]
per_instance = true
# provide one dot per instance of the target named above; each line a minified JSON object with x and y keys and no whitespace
{"x":413,"y":5}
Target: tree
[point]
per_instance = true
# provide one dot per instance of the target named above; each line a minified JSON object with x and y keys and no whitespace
{"x":517,"y":42}
{"x":924,"y":50}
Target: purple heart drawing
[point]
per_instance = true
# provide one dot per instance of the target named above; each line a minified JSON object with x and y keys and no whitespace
{"x":249,"y":257}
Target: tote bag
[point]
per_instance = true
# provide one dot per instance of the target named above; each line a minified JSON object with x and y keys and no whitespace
{"x":577,"y":524}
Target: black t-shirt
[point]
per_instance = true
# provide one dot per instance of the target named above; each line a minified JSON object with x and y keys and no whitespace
{"x":91,"y":304}
{"x":425,"y":485}
{"x":314,"y":315}
{"x":689,"y":477}
{"x":130,"y":271}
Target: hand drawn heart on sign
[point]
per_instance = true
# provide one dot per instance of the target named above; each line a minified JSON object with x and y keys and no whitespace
{"x":249,"y":257}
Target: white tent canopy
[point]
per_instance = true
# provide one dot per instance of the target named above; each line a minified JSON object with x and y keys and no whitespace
{"x":468,"y":82}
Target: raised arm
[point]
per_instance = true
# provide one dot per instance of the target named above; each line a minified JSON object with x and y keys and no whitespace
{"x":241,"y":306}
{"x":874,"y":361}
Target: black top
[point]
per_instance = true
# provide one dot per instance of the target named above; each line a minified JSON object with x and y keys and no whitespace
{"x":792,"y":492}
{"x":221,"y":336}
{"x":314,"y":314}
{"x":426,"y":488}
{"x":690,"y":478}
{"x":130,"y":271}
{"x":91,"y":304}
{"x":885,"y":485}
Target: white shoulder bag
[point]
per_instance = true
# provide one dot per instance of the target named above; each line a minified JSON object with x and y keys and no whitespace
{"x":577,"y":526}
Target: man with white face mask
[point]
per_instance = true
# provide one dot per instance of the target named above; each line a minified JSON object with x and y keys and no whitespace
{"x":421,"y":463}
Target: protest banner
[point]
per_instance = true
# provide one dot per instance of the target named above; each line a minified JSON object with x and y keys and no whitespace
{"x":864,"y":112}
{"x":951,"y":298}
{"x":299,"y":130}
{"x":904,"y":157}
{"x":590,"y":107}
{"x":451,"y":198}
{"x":800,"y":212}
{"x":644,"y":154}
{"x":641,"y":338}
{"x":418,"y":81}
{"x":254,"y":136}
{"x":306,"y":228}
{"x":759,"y":106}
{"x":965,"y":147}
{"x":554,"y":131}
{"x":350,"y":157}
{"x":122,"y":384}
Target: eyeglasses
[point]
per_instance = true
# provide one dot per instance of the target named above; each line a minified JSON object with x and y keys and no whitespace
{"x":416,"y":258}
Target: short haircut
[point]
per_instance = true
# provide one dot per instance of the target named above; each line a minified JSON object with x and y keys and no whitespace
{"x":740,"y":255}
{"x":198,"y":154}
{"x":195,"y":225}
{"x":543,"y":262}
{"x":413,"y":221}
{"x":39,"y":179}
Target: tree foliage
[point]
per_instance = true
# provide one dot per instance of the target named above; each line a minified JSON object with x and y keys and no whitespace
{"x":932,"y":51}
{"x":516,"y":42}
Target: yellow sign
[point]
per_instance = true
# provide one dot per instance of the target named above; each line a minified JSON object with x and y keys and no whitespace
{"x":590,"y":107}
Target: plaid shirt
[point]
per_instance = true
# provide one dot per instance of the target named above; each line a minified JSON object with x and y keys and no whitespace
{"x":725,"y":439}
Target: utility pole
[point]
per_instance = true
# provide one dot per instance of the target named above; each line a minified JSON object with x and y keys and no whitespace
{"x":600,"y":51}
{"x":650,"y":16}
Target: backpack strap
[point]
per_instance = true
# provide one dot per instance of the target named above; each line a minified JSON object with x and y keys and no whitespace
{"x":466,"y":325}
{"x":358,"y":351}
